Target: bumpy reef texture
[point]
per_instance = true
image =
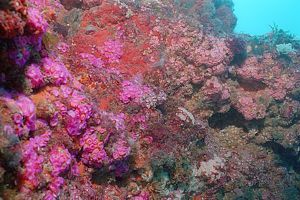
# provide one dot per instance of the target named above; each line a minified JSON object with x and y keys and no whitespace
{"x":145,"y":100}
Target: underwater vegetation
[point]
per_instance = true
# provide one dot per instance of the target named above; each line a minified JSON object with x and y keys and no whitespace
{"x":142,"y":100}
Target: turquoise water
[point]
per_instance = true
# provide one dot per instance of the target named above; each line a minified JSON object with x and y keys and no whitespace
{"x":256,"y":16}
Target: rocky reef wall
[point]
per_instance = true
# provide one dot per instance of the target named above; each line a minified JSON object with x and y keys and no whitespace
{"x":143,"y":100}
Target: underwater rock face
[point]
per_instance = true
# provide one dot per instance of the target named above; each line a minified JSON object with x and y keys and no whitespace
{"x":144,"y":100}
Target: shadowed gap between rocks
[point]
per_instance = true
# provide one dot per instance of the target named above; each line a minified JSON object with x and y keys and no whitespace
{"x":287,"y":157}
{"x":233,"y":118}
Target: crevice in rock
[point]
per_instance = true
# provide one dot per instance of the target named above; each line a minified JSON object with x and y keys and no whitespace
{"x":287,"y":157}
{"x":233,"y":118}
{"x":69,"y":4}
{"x":251,"y":85}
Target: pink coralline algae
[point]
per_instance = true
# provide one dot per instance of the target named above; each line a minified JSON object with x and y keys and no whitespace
{"x":54,"y":188}
{"x":251,"y":72}
{"x":35,"y":76}
{"x":133,"y":91}
{"x":73,"y":122}
{"x":214,"y":90}
{"x":24,"y":114}
{"x":280,"y":86}
{"x":76,"y":119}
{"x":36,"y":23}
{"x":212,"y":52}
{"x":141,"y":120}
{"x":32,"y":168}
{"x":93,"y":149}
{"x":55,"y":71}
{"x":142,"y":196}
{"x":120,"y":150}
{"x":38,"y":3}
{"x":63,"y":47}
{"x":112,"y":51}
{"x":93,"y":60}
{"x":75,"y":112}
{"x":205,"y":50}
{"x":28,"y":111}
{"x":60,"y":159}
{"x":250,"y":108}
{"x":266,"y":73}
{"x":33,"y":160}
{"x":118,"y":119}
{"x":138,"y":93}
{"x":35,"y":143}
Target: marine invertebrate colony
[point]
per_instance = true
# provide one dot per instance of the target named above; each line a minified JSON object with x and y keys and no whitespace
{"x":120,"y":100}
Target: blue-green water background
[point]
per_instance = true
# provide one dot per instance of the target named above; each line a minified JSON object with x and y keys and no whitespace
{"x":256,"y":16}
